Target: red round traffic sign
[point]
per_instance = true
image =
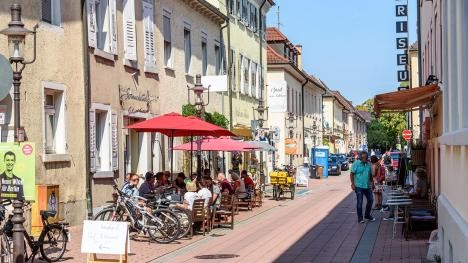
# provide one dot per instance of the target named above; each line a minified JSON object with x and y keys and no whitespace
{"x":407,"y":134}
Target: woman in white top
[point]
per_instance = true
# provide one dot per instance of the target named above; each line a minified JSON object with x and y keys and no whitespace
{"x":190,"y":195}
{"x":204,"y":192}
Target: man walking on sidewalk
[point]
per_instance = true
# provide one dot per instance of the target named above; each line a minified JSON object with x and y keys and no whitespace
{"x":361,"y":183}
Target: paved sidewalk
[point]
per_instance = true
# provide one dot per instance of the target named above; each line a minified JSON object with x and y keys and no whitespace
{"x":320,"y":225}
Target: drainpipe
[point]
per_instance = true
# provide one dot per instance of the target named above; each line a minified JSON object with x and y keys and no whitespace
{"x":419,"y":65}
{"x":304,"y":148}
{"x":87,"y":88}
{"x":229,"y":71}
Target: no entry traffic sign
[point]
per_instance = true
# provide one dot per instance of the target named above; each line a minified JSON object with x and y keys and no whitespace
{"x":407,"y":134}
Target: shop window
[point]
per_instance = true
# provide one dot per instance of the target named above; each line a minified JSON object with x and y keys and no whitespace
{"x":187,"y":49}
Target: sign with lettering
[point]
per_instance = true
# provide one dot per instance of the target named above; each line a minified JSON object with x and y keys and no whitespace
{"x":402,"y":43}
{"x":135,"y":101}
{"x":403,"y":75}
{"x":104,"y":237}
{"x":401,"y":28}
{"x":277,"y":96}
{"x":18,"y":171}
{"x":402,"y":59}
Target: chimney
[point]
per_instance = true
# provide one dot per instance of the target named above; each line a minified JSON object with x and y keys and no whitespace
{"x":299,"y":56}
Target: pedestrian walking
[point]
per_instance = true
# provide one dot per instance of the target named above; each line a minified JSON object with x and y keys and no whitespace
{"x":362,"y":184}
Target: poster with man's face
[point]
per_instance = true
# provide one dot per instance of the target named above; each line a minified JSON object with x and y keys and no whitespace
{"x":17,"y":171}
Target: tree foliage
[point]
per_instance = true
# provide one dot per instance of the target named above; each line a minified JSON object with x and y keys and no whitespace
{"x":215,"y":118}
{"x":384,"y":132}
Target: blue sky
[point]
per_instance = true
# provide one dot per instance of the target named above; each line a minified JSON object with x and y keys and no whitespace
{"x":350,"y":45}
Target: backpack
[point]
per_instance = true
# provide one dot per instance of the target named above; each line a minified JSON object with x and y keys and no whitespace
{"x":380,"y":173}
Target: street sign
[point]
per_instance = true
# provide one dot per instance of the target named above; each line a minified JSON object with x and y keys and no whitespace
{"x":407,"y":134}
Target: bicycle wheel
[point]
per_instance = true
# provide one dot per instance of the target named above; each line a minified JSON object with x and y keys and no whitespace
{"x":109,"y":214}
{"x":6,"y":255}
{"x":54,"y":243}
{"x":185,"y":220}
{"x":165,"y":227}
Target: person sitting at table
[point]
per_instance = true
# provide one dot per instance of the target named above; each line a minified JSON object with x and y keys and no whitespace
{"x":131,"y":189}
{"x":190,"y":195}
{"x":147,"y":187}
{"x":215,"y":193}
{"x":179,"y":183}
{"x":420,"y":191}
{"x":224,"y":184}
{"x":239,"y":186}
{"x":249,"y":183}
{"x":204,"y":192}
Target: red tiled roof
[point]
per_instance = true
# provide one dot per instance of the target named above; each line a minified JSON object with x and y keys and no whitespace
{"x":273,"y":34}
{"x":274,"y":57}
{"x":343,"y":101}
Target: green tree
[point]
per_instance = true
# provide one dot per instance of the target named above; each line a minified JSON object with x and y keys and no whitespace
{"x":383,"y":132}
{"x":215,"y":118}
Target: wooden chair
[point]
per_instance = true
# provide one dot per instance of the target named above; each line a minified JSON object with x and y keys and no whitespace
{"x":226,"y":209}
{"x":199,"y":214}
{"x":243,"y":202}
{"x":421,"y":211}
{"x":258,"y":198}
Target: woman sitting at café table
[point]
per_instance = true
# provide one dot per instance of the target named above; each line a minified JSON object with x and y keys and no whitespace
{"x":239,"y":186}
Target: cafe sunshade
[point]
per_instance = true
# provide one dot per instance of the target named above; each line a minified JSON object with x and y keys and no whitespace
{"x":263,"y":146}
{"x":175,"y":125}
{"x":224,"y":144}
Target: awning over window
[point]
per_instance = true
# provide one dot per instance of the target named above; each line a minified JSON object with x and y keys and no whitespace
{"x":406,"y":100}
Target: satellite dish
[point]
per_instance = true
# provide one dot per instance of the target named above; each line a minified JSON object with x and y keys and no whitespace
{"x":6,"y":77}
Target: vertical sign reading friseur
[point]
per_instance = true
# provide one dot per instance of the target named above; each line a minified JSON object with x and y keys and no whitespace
{"x":401,"y":29}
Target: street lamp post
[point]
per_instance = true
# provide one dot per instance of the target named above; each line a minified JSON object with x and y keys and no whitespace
{"x":261,"y":109}
{"x":200,"y":105}
{"x":16,"y":34}
{"x":292,"y":123}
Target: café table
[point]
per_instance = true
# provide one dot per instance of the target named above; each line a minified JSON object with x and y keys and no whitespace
{"x":397,"y":198}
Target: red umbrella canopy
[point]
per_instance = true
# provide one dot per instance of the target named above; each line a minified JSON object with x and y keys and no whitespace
{"x":224,"y":144}
{"x":175,"y":125}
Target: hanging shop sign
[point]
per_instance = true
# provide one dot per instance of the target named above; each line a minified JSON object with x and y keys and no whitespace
{"x":135,"y":101}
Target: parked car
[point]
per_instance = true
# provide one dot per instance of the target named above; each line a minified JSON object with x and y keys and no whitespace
{"x":334,"y":166}
{"x":344,"y":161}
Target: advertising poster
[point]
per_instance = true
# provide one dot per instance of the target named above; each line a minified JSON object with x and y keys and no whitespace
{"x":17,"y":170}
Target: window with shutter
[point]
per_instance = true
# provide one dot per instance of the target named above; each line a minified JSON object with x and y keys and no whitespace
{"x":148,"y":24}
{"x":233,"y":70}
{"x":246,"y":75}
{"x":241,"y":73}
{"x":113,"y":28}
{"x":204,"y":47}
{"x":218,"y":60}
{"x":167,"y":38}
{"x":92,"y":140}
{"x":187,"y":48}
{"x":239,"y":8}
{"x":115,"y":142}
{"x":253,"y":79}
{"x":51,"y":12}
{"x":91,"y":17}
{"x":129,"y":31}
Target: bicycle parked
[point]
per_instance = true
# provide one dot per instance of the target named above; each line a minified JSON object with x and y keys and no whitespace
{"x":162,"y":225}
{"x":167,"y":200}
{"x":52,"y":241}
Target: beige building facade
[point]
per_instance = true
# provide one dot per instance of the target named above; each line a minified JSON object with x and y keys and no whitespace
{"x":294,"y":101}
{"x":443,"y":54}
{"x":53,"y":99}
{"x":123,"y":78}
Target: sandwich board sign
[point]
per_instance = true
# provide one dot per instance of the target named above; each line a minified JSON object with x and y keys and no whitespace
{"x":105,"y":237}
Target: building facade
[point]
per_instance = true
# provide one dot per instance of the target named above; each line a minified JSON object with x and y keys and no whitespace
{"x":294,"y":101}
{"x":444,"y":56}
{"x":53,"y":99}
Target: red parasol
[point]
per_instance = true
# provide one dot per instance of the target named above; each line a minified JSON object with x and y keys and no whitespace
{"x":175,"y":125}
{"x":224,"y":144}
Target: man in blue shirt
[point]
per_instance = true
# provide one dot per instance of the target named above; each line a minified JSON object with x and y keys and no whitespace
{"x":361,"y":183}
